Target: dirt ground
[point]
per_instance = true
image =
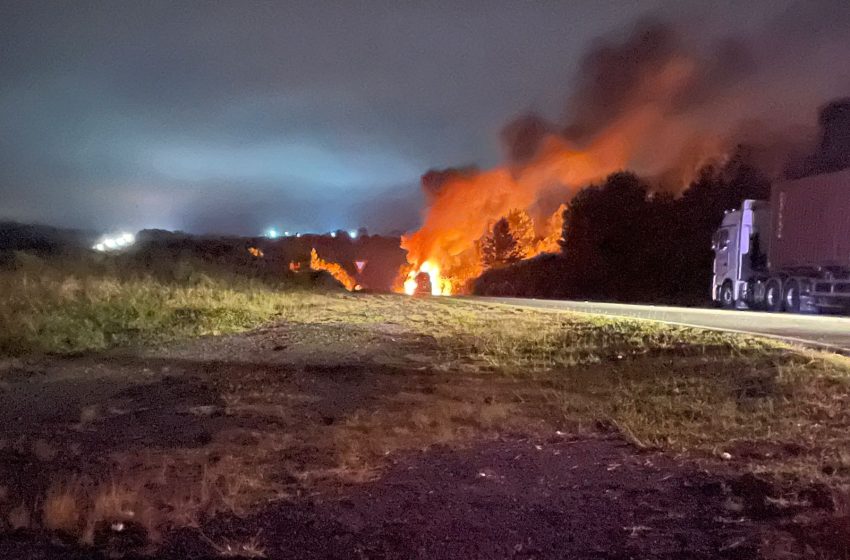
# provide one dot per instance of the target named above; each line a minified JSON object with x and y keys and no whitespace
{"x":335,"y":442}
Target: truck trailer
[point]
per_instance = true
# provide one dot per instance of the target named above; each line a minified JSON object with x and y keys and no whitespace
{"x":789,"y":254}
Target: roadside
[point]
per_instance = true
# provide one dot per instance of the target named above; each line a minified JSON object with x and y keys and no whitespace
{"x":828,"y":332}
{"x":383,"y":426}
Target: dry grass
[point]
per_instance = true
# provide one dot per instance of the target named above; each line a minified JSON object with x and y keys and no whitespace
{"x":248,"y":548}
{"x":184,"y":487}
{"x":80,"y":509}
{"x":413,"y":422}
{"x":62,"y":510}
{"x":668,"y":387}
{"x":464,"y":372}
{"x":676,"y":388}
{"x":57,"y":306}
{"x":118,"y":503}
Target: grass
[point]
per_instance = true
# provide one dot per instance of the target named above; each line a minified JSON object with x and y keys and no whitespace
{"x":669,"y":387}
{"x":415,"y":372}
{"x":783,"y":409}
{"x":65,"y":307}
{"x":680,"y":389}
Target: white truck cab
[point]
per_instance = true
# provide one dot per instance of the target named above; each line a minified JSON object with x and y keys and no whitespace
{"x":739,"y":248}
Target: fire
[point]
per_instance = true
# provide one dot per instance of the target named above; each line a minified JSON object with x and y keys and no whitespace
{"x":439,"y":285}
{"x":627,"y":113}
{"x":334,"y":269}
{"x":410,"y":284}
{"x":465,"y":208}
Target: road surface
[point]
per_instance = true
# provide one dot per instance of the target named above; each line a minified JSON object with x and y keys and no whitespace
{"x":811,"y":330}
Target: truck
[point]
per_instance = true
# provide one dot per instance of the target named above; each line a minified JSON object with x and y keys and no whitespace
{"x":791,"y":253}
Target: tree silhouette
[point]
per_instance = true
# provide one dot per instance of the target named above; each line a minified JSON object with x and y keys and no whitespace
{"x":499,"y":247}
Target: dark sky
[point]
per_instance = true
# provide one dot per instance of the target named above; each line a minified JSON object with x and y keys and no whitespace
{"x":311,"y":116}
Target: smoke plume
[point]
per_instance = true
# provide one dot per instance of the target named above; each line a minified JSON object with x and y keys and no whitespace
{"x":658,"y":100}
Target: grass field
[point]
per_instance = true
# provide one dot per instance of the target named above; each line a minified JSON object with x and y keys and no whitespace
{"x":662,"y":386}
{"x":668,"y":387}
{"x":336,"y":384}
{"x":62,"y":306}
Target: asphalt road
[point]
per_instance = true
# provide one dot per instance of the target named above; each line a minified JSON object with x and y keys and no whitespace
{"x":811,"y":330}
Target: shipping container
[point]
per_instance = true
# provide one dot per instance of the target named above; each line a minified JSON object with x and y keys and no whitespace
{"x":792,"y":254}
{"x":811,"y":223}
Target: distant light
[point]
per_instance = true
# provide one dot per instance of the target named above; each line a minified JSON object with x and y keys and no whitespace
{"x":333,"y":234}
{"x":286,"y":234}
{"x":271,"y":233}
{"x":114,"y":242}
{"x":298,"y":234}
{"x":353,"y":234}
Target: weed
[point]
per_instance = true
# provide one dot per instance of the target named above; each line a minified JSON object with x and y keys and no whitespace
{"x":62,"y":509}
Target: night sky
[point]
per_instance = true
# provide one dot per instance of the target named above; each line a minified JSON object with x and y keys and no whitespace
{"x":308,"y":116}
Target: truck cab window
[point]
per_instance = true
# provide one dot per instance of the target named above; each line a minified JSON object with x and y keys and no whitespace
{"x":721,"y":240}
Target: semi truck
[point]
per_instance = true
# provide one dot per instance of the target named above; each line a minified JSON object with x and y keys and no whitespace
{"x":791,"y":253}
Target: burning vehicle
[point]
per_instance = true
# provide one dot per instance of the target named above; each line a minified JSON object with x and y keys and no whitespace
{"x":423,"y":284}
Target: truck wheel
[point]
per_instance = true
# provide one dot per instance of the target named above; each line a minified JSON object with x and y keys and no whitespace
{"x":727,"y":295}
{"x":773,"y":296}
{"x":792,"y":296}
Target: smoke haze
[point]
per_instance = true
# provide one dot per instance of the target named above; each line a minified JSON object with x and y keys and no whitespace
{"x":658,"y":98}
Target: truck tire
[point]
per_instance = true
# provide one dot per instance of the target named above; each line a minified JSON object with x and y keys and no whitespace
{"x":727,"y":296}
{"x":791,"y":297}
{"x":773,"y":296}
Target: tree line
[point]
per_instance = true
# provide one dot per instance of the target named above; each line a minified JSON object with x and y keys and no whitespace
{"x":626,"y":240}
{"x":622,"y":240}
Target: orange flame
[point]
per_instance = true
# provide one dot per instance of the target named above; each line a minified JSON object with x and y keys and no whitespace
{"x":334,"y":269}
{"x":466,"y":206}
